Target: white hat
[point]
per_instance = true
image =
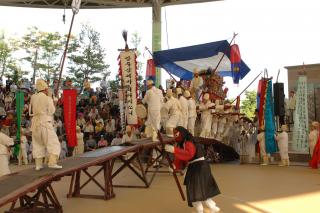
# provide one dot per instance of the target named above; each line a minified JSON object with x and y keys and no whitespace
{"x":150,"y":82}
{"x":195,"y":71}
{"x":169,"y":93}
{"x":315,"y":124}
{"x":78,"y":128}
{"x":284,"y":128}
{"x":41,"y":85}
{"x":128,"y":128}
{"x":206,"y":96}
{"x":179,"y":91}
{"x":187,"y":94}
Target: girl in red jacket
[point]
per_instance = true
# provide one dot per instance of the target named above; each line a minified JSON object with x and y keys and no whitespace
{"x":200,"y":184}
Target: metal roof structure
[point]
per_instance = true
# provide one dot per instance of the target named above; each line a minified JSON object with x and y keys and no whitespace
{"x":97,"y":4}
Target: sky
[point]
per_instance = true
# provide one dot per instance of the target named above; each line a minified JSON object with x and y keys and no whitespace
{"x":272,"y":33}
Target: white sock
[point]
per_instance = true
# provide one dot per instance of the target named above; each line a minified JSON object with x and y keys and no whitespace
{"x":212,"y":205}
{"x":198,"y":206}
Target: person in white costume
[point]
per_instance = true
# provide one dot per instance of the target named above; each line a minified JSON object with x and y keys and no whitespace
{"x":192,"y":111}
{"x":282,"y":140}
{"x":44,"y":138}
{"x":23,"y":156}
{"x":262,"y":145}
{"x":196,"y":84}
{"x":173,"y":106}
{"x":79,"y":149}
{"x":214,"y":126}
{"x":313,"y":136}
{"x":206,"y":117}
{"x":154,"y":99}
{"x":184,"y":108}
{"x":5,"y":142}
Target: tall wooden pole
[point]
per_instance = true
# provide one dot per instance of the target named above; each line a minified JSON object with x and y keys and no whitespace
{"x":65,"y":54}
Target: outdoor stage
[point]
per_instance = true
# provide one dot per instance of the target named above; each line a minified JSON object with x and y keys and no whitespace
{"x":285,"y":190}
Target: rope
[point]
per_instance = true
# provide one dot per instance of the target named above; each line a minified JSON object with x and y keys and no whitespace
{"x":165,"y":16}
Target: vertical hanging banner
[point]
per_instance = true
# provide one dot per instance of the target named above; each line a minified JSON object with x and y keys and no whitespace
{"x":301,"y":123}
{"x":121,"y":106}
{"x":271,"y":145}
{"x":19,"y":111}
{"x":235,"y":59}
{"x":69,"y":110}
{"x":128,"y":73}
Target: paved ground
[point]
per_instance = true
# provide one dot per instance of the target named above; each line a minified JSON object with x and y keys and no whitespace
{"x":245,"y":188}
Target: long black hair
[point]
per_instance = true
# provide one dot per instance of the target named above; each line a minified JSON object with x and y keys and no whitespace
{"x":186,"y":135}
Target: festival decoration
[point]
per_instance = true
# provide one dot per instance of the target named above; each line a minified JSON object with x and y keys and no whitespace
{"x":300,"y":133}
{"x":19,"y":110}
{"x":122,"y":113}
{"x":151,"y":70}
{"x":69,"y":111}
{"x":235,"y":59}
{"x":266,"y":114}
{"x":128,"y":74}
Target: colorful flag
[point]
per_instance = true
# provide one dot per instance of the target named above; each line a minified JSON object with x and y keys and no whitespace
{"x":235,"y":59}
{"x":69,"y":110}
{"x":19,"y":110}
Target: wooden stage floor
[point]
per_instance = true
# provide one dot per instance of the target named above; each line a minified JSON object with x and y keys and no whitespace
{"x":245,"y":189}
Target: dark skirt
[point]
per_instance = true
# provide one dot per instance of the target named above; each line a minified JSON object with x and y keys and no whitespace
{"x":200,"y":184}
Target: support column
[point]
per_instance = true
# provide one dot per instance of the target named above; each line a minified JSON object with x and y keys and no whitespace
{"x":156,"y":34}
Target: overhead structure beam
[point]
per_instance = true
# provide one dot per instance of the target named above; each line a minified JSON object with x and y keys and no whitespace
{"x":96,"y":4}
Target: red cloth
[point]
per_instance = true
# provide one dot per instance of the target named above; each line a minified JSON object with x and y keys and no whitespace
{"x":151,"y":68}
{"x":70,"y":115}
{"x":315,"y":160}
{"x":182,"y":156}
{"x":235,"y":56}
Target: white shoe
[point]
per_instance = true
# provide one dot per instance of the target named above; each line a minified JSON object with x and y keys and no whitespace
{"x":56,"y":166}
{"x":38,"y":168}
{"x":215,"y":209}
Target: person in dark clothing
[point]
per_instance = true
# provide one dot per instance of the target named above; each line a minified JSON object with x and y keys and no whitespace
{"x":199,"y":182}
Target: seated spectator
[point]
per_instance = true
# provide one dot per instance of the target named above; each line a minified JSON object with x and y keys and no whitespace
{"x":129,"y":136}
{"x":99,"y":128}
{"x":88,"y":129}
{"x":81,"y":121}
{"x":117,"y":140}
{"x":102,"y":142}
{"x":91,"y":143}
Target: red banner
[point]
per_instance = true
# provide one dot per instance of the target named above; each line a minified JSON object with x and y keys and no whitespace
{"x":69,"y":109}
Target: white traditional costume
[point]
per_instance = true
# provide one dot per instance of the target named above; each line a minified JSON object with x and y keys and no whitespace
{"x":196,"y":84}
{"x":44,"y":138}
{"x":282,"y":140}
{"x":173,"y":106}
{"x":206,"y":117}
{"x":192,"y":112}
{"x":313,"y":136}
{"x":5,"y":141}
{"x":262,"y":145}
{"x":79,"y":149}
{"x":184,"y":109}
{"x":154,"y":99}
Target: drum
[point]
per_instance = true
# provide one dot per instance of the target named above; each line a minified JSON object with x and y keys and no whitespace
{"x":141,"y":111}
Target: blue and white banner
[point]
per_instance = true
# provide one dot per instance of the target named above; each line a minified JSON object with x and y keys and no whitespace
{"x":182,"y":61}
{"x":301,"y":120}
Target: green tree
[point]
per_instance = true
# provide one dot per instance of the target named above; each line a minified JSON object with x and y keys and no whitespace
{"x":88,"y":61}
{"x":136,"y":40}
{"x":30,"y":42}
{"x":7,"y":47}
{"x":249,"y":104}
{"x":14,"y":72}
{"x":50,"y":48}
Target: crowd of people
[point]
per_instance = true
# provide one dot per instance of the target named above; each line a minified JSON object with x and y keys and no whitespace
{"x":99,"y":123}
